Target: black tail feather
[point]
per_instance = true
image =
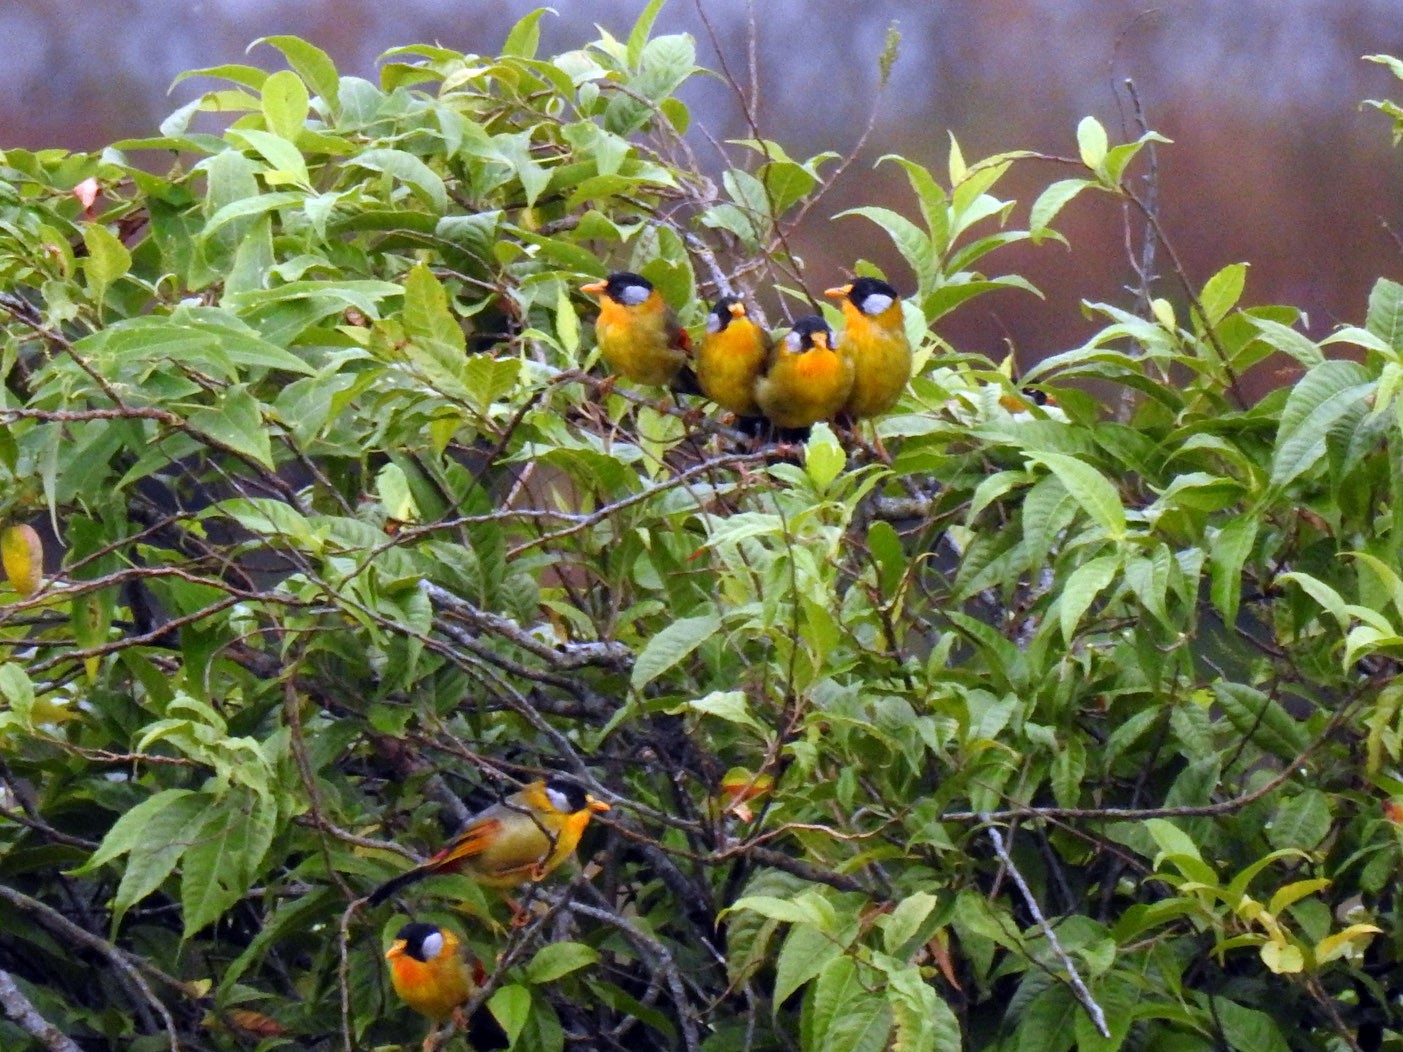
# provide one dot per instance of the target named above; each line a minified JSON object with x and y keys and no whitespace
{"x":394,"y":884}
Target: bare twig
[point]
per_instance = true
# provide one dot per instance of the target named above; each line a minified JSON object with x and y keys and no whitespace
{"x":130,"y":965}
{"x":1098,"y":1017}
{"x":22,"y":1011}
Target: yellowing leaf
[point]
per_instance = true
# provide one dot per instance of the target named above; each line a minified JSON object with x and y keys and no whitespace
{"x":22,"y":553}
{"x":1282,"y":958}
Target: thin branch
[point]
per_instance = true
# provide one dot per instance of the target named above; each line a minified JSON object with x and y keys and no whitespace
{"x":129,"y":964}
{"x":1098,"y":1017}
{"x":22,"y":1011}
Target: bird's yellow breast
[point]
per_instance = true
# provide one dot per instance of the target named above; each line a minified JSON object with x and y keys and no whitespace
{"x":433,"y":988}
{"x":638,"y":342}
{"x":728,"y":363}
{"x":881,"y":358}
{"x":802,"y":389}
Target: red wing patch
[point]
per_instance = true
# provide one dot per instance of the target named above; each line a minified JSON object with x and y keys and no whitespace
{"x":471,"y":841}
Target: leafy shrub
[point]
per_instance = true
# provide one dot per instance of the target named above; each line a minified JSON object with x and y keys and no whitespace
{"x":1063,"y":711}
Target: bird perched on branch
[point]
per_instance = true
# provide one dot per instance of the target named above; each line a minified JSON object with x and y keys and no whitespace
{"x":434,"y":974}
{"x":807,"y":380}
{"x":731,"y":356}
{"x":874,"y":337}
{"x":639,"y":337}
{"x":519,"y":839}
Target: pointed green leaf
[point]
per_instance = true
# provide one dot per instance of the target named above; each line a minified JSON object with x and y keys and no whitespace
{"x":671,"y":645}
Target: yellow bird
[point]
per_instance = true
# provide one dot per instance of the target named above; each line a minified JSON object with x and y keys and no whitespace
{"x":639,"y":336}
{"x":522,"y":838}
{"x":731,"y":356}
{"x":433,"y":973}
{"x":808,"y":380}
{"x":874,"y":337}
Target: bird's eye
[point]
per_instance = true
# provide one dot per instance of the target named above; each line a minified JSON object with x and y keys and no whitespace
{"x":633,"y":295}
{"x":433,"y":945}
{"x":713,"y":323}
{"x":876,"y":303}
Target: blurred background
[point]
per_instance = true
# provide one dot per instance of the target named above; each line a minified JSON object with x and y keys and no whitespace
{"x":1274,"y":162}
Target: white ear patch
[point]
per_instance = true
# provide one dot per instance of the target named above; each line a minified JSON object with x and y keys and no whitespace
{"x":875,"y":303}
{"x":713,"y":323}
{"x":633,"y":295}
{"x":559,"y":801}
{"x":433,"y":945}
{"x":792,"y":342}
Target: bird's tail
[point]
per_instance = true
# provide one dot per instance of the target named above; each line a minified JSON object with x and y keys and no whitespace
{"x":394,"y":884}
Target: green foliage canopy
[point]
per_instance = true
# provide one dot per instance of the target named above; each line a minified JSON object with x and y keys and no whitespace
{"x":1062,"y":710}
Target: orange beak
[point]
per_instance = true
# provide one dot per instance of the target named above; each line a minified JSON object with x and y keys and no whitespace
{"x":819,"y":339}
{"x":737,"y":309}
{"x":396,"y":950}
{"x":594,"y":287}
{"x":597,"y":806}
{"x":839,"y":292}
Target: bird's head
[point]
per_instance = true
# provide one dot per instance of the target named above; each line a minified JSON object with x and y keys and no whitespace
{"x":623,"y":287}
{"x":870,"y":296}
{"x":422,"y":942}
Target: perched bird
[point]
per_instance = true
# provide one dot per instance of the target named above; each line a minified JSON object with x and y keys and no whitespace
{"x":434,"y":974}
{"x":875,"y":339}
{"x":639,"y":336}
{"x":808,"y":380}
{"x":522,"y":838}
{"x":732,"y":354}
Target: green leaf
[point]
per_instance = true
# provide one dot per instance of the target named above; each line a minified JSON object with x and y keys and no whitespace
{"x":906,"y":920}
{"x":847,"y":1015}
{"x":729,"y":705}
{"x":224,"y":854}
{"x":1246,"y":1029}
{"x":1226,"y":557}
{"x":128,"y":832}
{"x":642,"y":27}
{"x":558,"y":959}
{"x":805,"y":953}
{"x":1092,"y":490}
{"x":1091,"y":142}
{"x":285,"y":103}
{"x":824,"y":458}
{"x":164,"y":838}
{"x":1315,"y":403}
{"x":910,"y":240}
{"x":1302,"y":821}
{"x":805,"y":908}
{"x":1385,"y":317}
{"x":1259,"y":716}
{"x":1048,"y":1024}
{"x":1171,"y":839}
{"x":670,"y":645}
{"x":287,"y":162}
{"x":237,"y":423}
{"x":511,"y":1007}
{"x":525,"y":37}
{"x":1086,"y":582}
{"x":1051,"y":201}
{"x":1289,"y":341}
{"x":407,"y":168}
{"x":108,"y":259}
{"x":314,"y":64}
{"x":1221,"y":292}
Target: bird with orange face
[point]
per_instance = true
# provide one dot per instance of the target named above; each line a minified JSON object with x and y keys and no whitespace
{"x":639,"y":337}
{"x":808,"y":378}
{"x":433,"y":973}
{"x":874,"y":337}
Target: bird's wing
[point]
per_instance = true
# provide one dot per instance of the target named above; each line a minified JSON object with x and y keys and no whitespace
{"x":480,"y":834}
